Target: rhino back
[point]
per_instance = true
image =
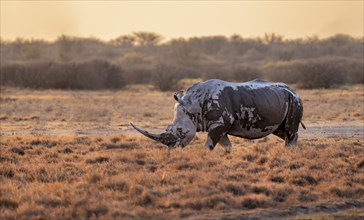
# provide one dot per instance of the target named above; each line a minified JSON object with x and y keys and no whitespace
{"x":258,"y":104}
{"x":260,"y":107}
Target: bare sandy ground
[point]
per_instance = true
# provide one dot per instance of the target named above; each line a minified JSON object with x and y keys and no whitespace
{"x":323,"y":211}
{"x":314,"y":131}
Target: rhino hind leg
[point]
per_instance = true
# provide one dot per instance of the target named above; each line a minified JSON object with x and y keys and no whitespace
{"x":289,"y":128}
{"x":291,"y":140}
{"x":280,"y":132}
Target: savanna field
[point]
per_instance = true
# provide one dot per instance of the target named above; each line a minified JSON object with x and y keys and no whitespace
{"x":68,"y":151}
{"x":72,"y":154}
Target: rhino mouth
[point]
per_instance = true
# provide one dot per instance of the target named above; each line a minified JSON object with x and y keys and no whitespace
{"x":165,"y":138}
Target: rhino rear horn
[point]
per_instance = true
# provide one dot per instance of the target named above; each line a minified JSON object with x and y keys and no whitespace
{"x":178,"y":97}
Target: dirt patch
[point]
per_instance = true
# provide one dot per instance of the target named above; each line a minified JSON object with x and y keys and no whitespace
{"x":346,"y":210}
{"x":333,"y":131}
{"x":313,"y":132}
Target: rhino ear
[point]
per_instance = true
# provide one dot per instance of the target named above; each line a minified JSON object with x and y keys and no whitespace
{"x":178,"y":97}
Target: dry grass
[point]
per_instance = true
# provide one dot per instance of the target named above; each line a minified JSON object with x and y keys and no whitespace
{"x":64,"y":173}
{"x":125,"y":176}
{"x":343,"y":104}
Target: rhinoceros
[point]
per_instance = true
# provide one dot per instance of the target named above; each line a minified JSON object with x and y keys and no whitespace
{"x":248,"y":110}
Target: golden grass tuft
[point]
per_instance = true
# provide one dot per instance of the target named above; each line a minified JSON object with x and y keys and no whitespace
{"x":97,"y":182}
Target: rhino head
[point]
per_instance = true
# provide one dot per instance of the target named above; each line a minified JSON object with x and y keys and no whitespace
{"x":180,"y":132}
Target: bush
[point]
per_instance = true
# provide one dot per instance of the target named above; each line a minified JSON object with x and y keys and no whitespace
{"x":353,"y":71}
{"x":240,"y":74}
{"x":138,"y":75}
{"x":246,"y":73}
{"x":320,"y":75}
{"x":165,"y":77}
{"x":287,"y":72}
{"x":91,"y":75}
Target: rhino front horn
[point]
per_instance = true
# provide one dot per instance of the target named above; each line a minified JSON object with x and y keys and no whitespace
{"x":165,"y":138}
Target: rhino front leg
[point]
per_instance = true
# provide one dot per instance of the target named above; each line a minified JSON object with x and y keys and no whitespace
{"x":215,"y":134}
{"x":225,"y":143}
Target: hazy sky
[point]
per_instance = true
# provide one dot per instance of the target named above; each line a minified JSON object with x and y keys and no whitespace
{"x":110,"y":19}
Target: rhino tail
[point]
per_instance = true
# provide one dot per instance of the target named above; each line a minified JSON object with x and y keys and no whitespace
{"x":303,"y":125}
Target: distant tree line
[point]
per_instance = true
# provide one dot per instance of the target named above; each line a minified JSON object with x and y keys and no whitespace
{"x":145,"y":58}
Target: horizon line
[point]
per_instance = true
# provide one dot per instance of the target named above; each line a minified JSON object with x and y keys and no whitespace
{"x":168,"y":39}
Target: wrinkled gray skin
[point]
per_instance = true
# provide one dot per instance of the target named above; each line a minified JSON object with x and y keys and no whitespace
{"x":249,"y":110}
